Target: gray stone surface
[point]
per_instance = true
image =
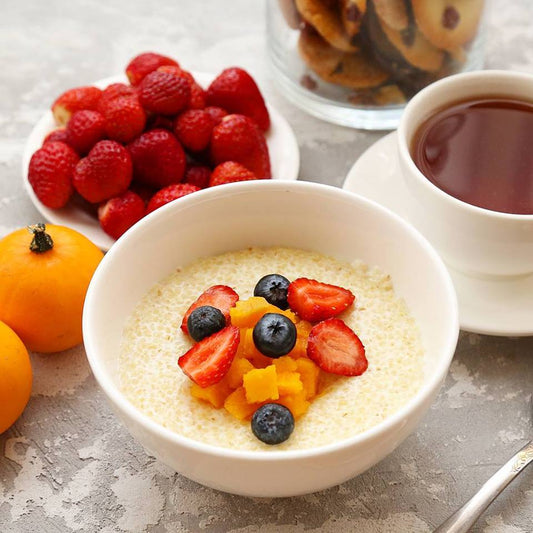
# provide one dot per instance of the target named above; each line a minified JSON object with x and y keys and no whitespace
{"x":69,"y":465}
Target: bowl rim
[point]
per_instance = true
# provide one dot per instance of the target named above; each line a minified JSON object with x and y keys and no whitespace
{"x":418,"y":101}
{"x":118,"y":399}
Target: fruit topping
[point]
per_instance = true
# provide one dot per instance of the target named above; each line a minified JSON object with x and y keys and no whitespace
{"x":104,"y":173}
{"x":170,"y":193}
{"x":50,"y":173}
{"x":158,"y":158}
{"x":315,"y":301}
{"x":335,"y":348}
{"x":118,"y":214}
{"x":74,"y":100}
{"x":246,"y":313}
{"x":274,"y":335}
{"x":220,"y":296}
{"x":198,"y":175}
{"x":230,"y":172}
{"x":143,"y":64}
{"x":272,"y":423}
{"x":236,"y":91}
{"x":124,"y":118}
{"x":59,"y":134}
{"x":204,"y":321}
{"x":237,"y":138}
{"x":207,"y":362}
{"x":273,"y":288}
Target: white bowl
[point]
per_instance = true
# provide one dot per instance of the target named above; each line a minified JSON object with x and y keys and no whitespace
{"x":281,"y":141}
{"x":269,"y":213}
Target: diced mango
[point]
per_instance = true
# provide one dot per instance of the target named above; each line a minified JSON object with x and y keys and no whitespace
{"x":289,"y":383}
{"x":246,"y":313}
{"x":261,"y":384}
{"x":214,"y":394}
{"x":237,"y":405}
{"x":303,"y":328}
{"x":238,"y":368}
{"x":285,"y":364}
{"x":309,"y":373}
{"x":251,"y":352}
{"x":296,"y":403}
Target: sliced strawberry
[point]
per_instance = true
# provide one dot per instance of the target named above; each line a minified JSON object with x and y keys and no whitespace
{"x":315,"y":301}
{"x":335,"y":348}
{"x":208,"y":361}
{"x":220,"y":296}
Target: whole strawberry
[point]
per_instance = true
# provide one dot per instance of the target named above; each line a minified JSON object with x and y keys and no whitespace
{"x":59,"y":134}
{"x":198,"y":95}
{"x":170,"y":193}
{"x":114,"y":91}
{"x":104,"y":173}
{"x":124,"y":118}
{"x":237,"y":138}
{"x":230,"y":172}
{"x":50,"y":173}
{"x":84,"y":129}
{"x":236,"y":91}
{"x":145,"y":63}
{"x":75,"y":100}
{"x":193,"y":129}
{"x":158,"y":158}
{"x":198,"y":175}
{"x":164,"y":93}
{"x":118,"y":214}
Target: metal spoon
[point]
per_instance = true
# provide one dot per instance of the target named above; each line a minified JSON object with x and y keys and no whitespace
{"x":465,"y":517}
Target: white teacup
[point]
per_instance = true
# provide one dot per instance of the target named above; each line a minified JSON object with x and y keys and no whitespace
{"x":472,"y":239}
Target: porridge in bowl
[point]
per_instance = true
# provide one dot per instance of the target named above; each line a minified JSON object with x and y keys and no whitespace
{"x":344,"y":406}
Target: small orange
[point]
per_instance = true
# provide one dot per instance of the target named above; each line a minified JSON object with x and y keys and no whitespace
{"x":43,"y":284}
{"x":15,"y":377}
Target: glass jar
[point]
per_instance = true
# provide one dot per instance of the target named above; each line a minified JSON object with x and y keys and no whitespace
{"x":357,"y":62}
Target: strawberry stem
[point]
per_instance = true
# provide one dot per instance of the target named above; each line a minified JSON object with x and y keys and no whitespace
{"x":41,"y":242}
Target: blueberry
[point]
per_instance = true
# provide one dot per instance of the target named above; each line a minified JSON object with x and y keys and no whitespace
{"x":204,"y":321}
{"x":273,"y":288}
{"x":274,"y":335}
{"x":272,"y":423}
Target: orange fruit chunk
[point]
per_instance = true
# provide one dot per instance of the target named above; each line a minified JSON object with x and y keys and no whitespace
{"x":261,"y":384}
{"x":238,"y":368}
{"x":214,"y":394}
{"x":246,"y":313}
{"x":309,"y":374}
{"x":237,"y":405}
{"x":289,"y":383}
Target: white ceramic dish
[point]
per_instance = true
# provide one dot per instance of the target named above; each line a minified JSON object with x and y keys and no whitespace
{"x":269,"y":213}
{"x":282,"y":145}
{"x":492,"y":306}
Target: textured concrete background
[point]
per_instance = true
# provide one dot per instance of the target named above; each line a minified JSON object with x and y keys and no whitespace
{"x":69,"y":465}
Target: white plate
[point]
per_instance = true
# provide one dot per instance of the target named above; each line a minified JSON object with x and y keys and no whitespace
{"x":496,"y":306}
{"x":282,"y":146}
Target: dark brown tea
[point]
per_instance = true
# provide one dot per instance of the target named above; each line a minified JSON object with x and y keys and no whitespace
{"x":481,"y":152}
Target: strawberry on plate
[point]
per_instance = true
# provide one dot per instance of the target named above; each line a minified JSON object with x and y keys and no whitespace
{"x":124,"y":117}
{"x":220,"y":296}
{"x":118,"y":214}
{"x":144,"y":64}
{"x":314,"y":300}
{"x":104,"y":173}
{"x":193,"y":129}
{"x":84,"y":129}
{"x":198,"y":95}
{"x":164,"y":93}
{"x":335,"y":348}
{"x":198,"y":175}
{"x":50,"y":173}
{"x":158,"y":158}
{"x":59,"y":134}
{"x":230,"y":172}
{"x":169,"y":194}
{"x":75,"y":99}
{"x":236,"y":91}
{"x":237,"y":138}
{"x":208,"y":361}
{"x":114,"y":91}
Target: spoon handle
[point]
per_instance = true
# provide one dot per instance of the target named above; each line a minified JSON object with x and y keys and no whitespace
{"x":463,"y":519}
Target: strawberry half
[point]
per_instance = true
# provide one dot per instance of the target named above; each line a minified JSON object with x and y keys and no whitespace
{"x":208,"y":361}
{"x":315,"y":301}
{"x":335,"y":348}
{"x":220,"y":296}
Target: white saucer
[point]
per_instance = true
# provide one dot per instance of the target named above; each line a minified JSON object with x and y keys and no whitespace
{"x":282,"y":146}
{"x":499,"y":306}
